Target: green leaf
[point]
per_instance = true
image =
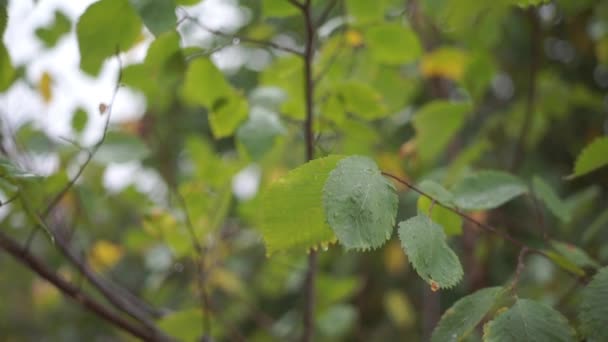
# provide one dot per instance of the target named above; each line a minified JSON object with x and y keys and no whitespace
{"x":425,"y":244}
{"x":106,"y":27}
{"x":187,"y":2}
{"x":459,"y":320}
{"x":551,"y":200}
{"x":565,"y":263}
{"x":184,"y":325}
{"x":8,"y":171}
{"x":360,"y":204}
{"x":392,"y":44}
{"x":206,"y":86}
{"x":3,"y":19}
{"x":79,"y":120}
{"x":291,"y":212}
{"x":259,"y":132}
{"x":436,"y":124}
{"x":593,"y":156}
{"x":287,"y":74}
{"x":7,"y":72}
{"x":528,"y":320}
{"x":158,"y":15}
{"x":601,"y":221}
{"x":437,"y":191}
{"x":451,"y":222}
{"x":574,"y":254}
{"x":51,"y":35}
{"x":120,"y":148}
{"x":487,"y":190}
{"x":274,"y":8}
{"x":593,"y":309}
{"x":365,"y":11}
{"x":362,"y":100}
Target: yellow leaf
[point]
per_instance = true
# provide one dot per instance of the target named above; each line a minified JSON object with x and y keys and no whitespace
{"x":45,"y":87}
{"x":444,"y":62}
{"x":44,"y":295}
{"x":354,"y":38}
{"x":104,"y":255}
{"x":395,"y":261}
{"x":399,"y":309}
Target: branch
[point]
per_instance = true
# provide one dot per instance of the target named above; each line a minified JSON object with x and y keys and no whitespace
{"x":25,"y":257}
{"x":519,"y":269}
{"x":265,"y":43}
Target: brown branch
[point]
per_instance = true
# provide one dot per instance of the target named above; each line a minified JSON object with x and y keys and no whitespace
{"x":519,"y":269}
{"x":264,"y":43}
{"x":25,"y":257}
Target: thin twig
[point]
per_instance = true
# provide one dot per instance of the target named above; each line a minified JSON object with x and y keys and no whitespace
{"x":69,"y":290}
{"x":232,"y":37}
{"x":519,"y":269}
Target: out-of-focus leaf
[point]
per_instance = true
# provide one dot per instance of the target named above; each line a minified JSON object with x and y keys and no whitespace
{"x":461,"y":318}
{"x":105,"y":28}
{"x":337,"y":320}
{"x":120,"y":148}
{"x":273,"y":8}
{"x":487,"y":190}
{"x":7,"y":72}
{"x":425,"y":244}
{"x":593,"y":156}
{"x":184,"y":325}
{"x":361,"y":99}
{"x":593,"y":309}
{"x":360,"y":204}
{"x":9,"y":171}
{"x":574,"y":254}
{"x":451,"y":223}
{"x":259,"y":132}
{"x":448,"y":63}
{"x":528,"y":320}
{"x":436,"y":124}
{"x":399,"y":308}
{"x":50,"y":35}
{"x":365,"y":11}
{"x":45,"y":87}
{"x":80,"y":118}
{"x":158,"y":16}
{"x":392,"y":44}
{"x":287,"y":74}
{"x":104,"y":255}
{"x":292,"y":213}
{"x":551,"y":200}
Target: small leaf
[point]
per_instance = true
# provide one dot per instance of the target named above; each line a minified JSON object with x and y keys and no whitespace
{"x":291,"y":212}
{"x":79,"y":120}
{"x":451,"y":222}
{"x":50,"y":35}
{"x":459,"y":320}
{"x":158,"y":16}
{"x":104,"y":255}
{"x":106,"y":27}
{"x":528,"y":320}
{"x":487,"y":190}
{"x":593,"y":156}
{"x":45,"y":87}
{"x":436,"y":124}
{"x":425,"y":244}
{"x":593,"y":310}
{"x":362,"y":100}
{"x":444,"y":62}
{"x":7,"y":72}
{"x":550,"y":198}
{"x":360,"y":204}
{"x":258,"y":133}
{"x":574,"y":254}
{"x":392,"y":44}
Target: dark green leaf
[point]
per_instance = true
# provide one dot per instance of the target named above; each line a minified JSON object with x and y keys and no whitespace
{"x":158,"y":15}
{"x":50,"y":35}
{"x":593,"y":156}
{"x":550,"y":198}
{"x":593,"y":310}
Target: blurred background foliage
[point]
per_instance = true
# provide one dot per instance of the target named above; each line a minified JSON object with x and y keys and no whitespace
{"x":430,"y":89}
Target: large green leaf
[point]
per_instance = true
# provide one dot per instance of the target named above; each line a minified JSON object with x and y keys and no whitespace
{"x":593,"y":310}
{"x":528,"y":320}
{"x":291,"y":209}
{"x":436,"y":124}
{"x":105,"y":28}
{"x":360,"y":204}
{"x":551,"y":200}
{"x":205,"y":85}
{"x":392,"y":44}
{"x":593,"y":156}
{"x":51,"y":34}
{"x":460,"y":319}
{"x":158,"y":16}
{"x":487,"y":190}
{"x":425,"y":244}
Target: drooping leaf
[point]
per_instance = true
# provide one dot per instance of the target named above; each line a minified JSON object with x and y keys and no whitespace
{"x":575,"y":254}
{"x":291,"y":209}
{"x":436,"y":124}
{"x":105,"y":28}
{"x":206,"y":86}
{"x":50,"y":35}
{"x":392,"y":44}
{"x":593,"y":309}
{"x":451,"y":222}
{"x":360,"y":204}
{"x":158,"y":16}
{"x":120,"y":148}
{"x":550,"y":198}
{"x":487,"y":190}
{"x":7,"y":72}
{"x":259,"y":132}
{"x":593,"y":156}
{"x":528,"y":320}
{"x":425,"y":244}
{"x":459,"y":320}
